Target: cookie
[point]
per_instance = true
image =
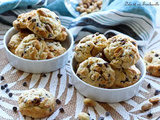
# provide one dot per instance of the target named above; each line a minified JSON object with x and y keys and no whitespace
{"x":33,"y":48}
{"x":152,"y":60}
{"x":89,"y":46}
{"x":63,"y":35}
{"x":55,"y":48}
{"x":20,"y":22}
{"x":126,"y":77}
{"x":44,"y":23}
{"x":121,"y":51}
{"x":16,"y":40}
{"x":36,"y":103}
{"x":96,"y":72}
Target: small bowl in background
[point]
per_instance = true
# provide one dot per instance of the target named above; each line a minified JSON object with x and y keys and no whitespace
{"x":72,"y":4}
{"x":107,"y":95}
{"x":38,"y":66}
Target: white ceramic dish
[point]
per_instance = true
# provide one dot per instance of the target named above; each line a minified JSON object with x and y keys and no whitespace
{"x":107,"y":95}
{"x":38,"y":66}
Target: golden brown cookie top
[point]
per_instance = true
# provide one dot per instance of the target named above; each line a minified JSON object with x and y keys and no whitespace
{"x":152,"y":60}
{"x":126,"y":77}
{"x":36,"y":97}
{"x":121,"y":51}
{"x":89,"y":46}
{"x":44,"y":23}
{"x":33,"y":48}
{"x":96,"y":72}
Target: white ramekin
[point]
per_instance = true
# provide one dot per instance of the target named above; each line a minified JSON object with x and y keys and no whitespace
{"x":38,"y":66}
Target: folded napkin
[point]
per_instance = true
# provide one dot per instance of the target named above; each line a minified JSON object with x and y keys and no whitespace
{"x":133,"y":17}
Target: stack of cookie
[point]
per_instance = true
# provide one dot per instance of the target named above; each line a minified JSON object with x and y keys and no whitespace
{"x":39,"y":36}
{"x":107,"y":63}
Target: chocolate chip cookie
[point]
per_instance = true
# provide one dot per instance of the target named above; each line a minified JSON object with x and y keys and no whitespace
{"x":97,"y":72}
{"x":33,"y":48}
{"x":126,"y":77}
{"x":121,"y":51}
{"x":36,"y":103}
{"x":44,"y":23}
{"x":89,"y":46}
{"x":152,"y":60}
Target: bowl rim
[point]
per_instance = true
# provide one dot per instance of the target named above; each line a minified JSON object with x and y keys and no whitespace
{"x":46,"y":60}
{"x":106,"y":89}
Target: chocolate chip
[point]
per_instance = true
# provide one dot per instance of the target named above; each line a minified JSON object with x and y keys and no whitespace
{"x":25,"y":84}
{"x":58,"y":101}
{"x":149,"y":114}
{"x":99,"y":64}
{"x":88,"y":114}
{"x":57,"y":18}
{"x":2,"y":87}
{"x":61,"y":110}
{"x":106,"y":64}
{"x":43,"y":75}
{"x":156,"y":92}
{"x":37,"y":24}
{"x":135,"y":77}
{"x":123,"y":42}
{"x":133,"y":43}
{"x":59,"y":75}
{"x":109,"y":75}
{"x":6,"y":85}
{"x":80,"y":46}
{"x":88,"y":66}
{"x":101,"y":118}
{"x":29,"y":18}
{"x":10,"y":94}
{"x":1,"y":78}
{"x":107,"y":113}
{"x":127,"y":80}
{"x":78,"y":75}
{"x":14,"y":109}
{"x":50,"y":35}
{"x":7,"y":90}
{"x":109,"y":35}
{"x":50,"y":110}
{"x":69,"y":85}
{"x":33,"y":20}
{"x":156,"y":55}
{"x":149,"y":85}
{"x":131,"y":56}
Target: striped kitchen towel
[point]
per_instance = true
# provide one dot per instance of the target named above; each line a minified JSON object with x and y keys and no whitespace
{"x":135,"y":18}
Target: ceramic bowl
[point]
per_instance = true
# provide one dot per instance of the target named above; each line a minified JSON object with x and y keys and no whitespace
{"x":107,"y":95}
{"x":38,"y":66}
{"x":72,"y":4}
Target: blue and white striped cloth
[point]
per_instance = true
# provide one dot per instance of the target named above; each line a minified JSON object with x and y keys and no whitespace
{"x":132,"y":17}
